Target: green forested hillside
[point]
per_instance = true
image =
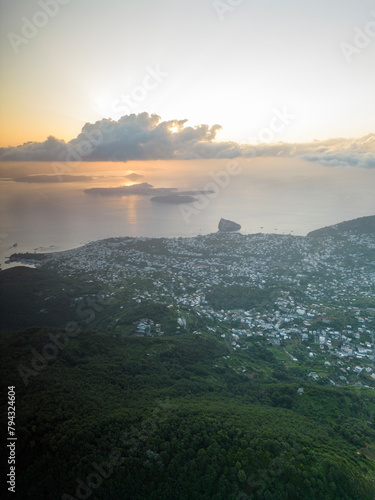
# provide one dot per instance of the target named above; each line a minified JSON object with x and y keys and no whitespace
{"x":172,"y":417}
{"x":217,"y":367}
{"x":30,"y":297}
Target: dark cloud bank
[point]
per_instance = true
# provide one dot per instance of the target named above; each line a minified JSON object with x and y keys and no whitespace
{"x":146,"y":137}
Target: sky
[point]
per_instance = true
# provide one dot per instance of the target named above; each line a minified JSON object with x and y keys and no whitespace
{"x":264,"y":70}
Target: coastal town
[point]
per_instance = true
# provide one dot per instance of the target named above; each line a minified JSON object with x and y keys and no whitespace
{"x":310,"y":298}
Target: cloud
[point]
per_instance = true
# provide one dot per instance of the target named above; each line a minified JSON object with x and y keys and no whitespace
{"x":40,"y":151}
{"x":146,"y":137}
{"x":338,"y":152}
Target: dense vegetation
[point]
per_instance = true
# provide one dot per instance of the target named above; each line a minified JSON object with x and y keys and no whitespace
{"x":178,"y":420}
{"x":209,"y":406}
{"x":24,"y":293}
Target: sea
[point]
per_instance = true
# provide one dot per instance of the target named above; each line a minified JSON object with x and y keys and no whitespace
{"x":263,"y":195}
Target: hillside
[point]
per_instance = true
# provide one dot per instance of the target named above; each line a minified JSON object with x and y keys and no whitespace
{"x":224,"y":366}
{"x":38,"y":297}
{"x":362,"y":225}
{"x":182,"y":420}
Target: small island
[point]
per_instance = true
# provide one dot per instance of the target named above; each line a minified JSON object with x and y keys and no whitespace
{"x":174,"y":199}
{"x":143,"y":188}
{"x":226,"y":226}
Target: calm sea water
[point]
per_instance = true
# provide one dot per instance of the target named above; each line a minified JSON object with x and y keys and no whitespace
{"x":263,"y":195}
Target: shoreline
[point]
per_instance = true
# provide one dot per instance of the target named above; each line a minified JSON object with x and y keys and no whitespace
{"x":34,"y":259}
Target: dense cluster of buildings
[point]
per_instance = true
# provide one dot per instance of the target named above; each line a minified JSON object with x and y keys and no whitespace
{"x":318,"y":278}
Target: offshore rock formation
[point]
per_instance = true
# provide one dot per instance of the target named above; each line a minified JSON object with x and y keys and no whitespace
{"x":174,"y":199}
{"x":226,"y":226}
